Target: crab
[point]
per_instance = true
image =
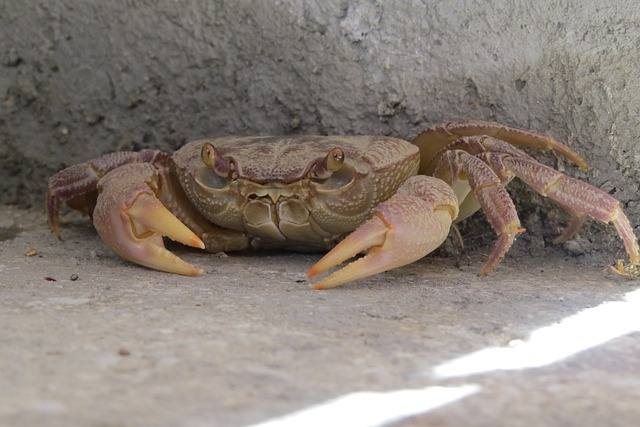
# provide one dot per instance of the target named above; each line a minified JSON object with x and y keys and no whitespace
{"x":391,"y":199}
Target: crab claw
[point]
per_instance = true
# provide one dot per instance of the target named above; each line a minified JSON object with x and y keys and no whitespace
{"x":132,"y":224}
{"x":402,"y":230}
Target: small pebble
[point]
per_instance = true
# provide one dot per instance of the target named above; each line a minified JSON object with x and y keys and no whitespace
{"x":74,"y":277}
{"x":31,"y":251}
{"x":575,"y":247}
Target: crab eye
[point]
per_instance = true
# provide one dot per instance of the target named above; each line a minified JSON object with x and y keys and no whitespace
{"x":212,"y":158}
{"x":331,"y":163}
{"x":331,"y":173}
{"x":217,"y":168}
{"x":207,"y":154}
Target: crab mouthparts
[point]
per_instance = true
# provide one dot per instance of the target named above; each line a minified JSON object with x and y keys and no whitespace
{"x":273,"y":195}
{"x":274,"y":191}
{"x":278,"y":215}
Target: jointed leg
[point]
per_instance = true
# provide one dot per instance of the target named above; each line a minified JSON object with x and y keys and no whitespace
{"x":579,"y":199}
{"x":488,"y":189}
{"x":436,"y":138}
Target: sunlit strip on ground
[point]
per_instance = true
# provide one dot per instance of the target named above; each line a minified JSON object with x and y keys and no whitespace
{"x":369,"y":409}
{"x":586,"y":329}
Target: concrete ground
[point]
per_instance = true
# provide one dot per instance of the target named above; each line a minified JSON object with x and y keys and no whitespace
{"x":90,"y":340}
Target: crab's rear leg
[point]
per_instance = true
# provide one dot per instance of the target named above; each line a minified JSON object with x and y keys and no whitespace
{"x":432,"y":140}
{"x":403,"y":229}
{"x":580,"y":200}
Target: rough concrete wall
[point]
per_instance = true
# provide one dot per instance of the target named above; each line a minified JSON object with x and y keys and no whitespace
{"x":80,"y":78}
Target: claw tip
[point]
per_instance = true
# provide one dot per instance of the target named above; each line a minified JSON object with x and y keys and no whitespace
{"x":313,"y":271}
{"x":196,"y":242}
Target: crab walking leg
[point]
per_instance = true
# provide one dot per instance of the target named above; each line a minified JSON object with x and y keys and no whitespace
{"x":432,"y":140}
{"x":575,"y":224}
{"x":403,"y":229}
{"x":131,"y":220}
{"x":456,"y":167}
{"x":579,"y":199}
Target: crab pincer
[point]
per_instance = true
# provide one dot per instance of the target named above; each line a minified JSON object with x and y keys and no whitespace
{"x":132,"y":221}
{"x":403,"y":229}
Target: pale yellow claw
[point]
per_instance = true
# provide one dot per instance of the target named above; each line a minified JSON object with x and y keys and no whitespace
{"x":370,"y":235}
{"x":148,"y":215}
{"x":149,"y":221}
{"x":402,"y":230}
{"x":133,"y":222}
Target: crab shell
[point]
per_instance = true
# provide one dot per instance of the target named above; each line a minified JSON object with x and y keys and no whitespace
{"x":272,"y":193}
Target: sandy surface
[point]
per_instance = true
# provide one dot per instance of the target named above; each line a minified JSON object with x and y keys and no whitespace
{"x":249,"y":342}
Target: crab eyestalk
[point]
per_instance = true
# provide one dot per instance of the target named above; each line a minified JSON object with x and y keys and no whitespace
{"x":211,"y":157}
{"x":330,"y":164}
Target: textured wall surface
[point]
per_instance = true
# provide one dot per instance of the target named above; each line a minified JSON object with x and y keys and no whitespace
{"x":80,"y":78}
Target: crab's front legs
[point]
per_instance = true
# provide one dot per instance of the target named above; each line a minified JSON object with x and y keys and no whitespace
{"x":402,"y":230}
{"x":131,"y":217}
{"x":131,"y":220}
{"x":77,"y":185}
